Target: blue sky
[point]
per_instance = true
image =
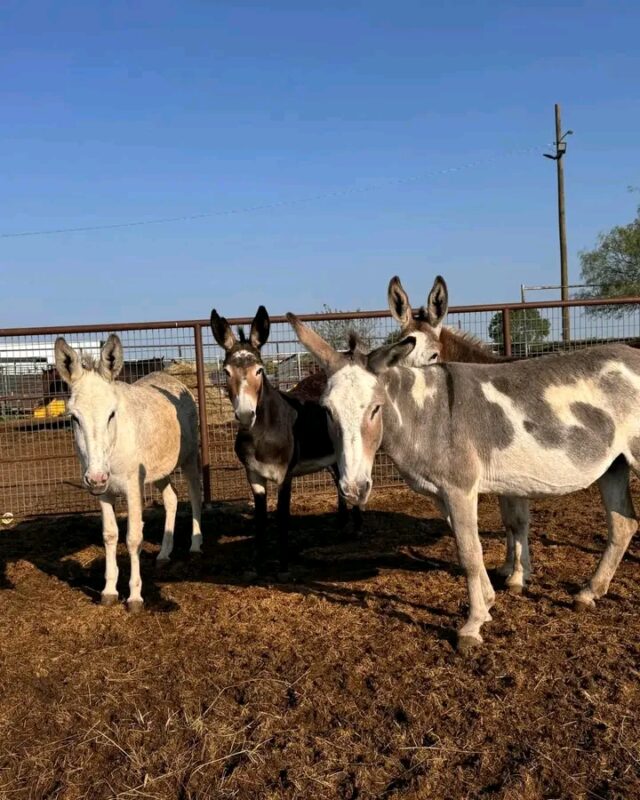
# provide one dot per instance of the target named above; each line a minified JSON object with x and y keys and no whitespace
{"x":342,"y":118}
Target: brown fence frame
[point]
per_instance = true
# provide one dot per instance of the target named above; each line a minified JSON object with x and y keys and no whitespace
{"x":197,"y":325}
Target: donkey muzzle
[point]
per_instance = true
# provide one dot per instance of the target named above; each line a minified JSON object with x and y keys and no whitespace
{"x":96,"y":482}
{"x":246,"y":418}
{"x":356,"y":492}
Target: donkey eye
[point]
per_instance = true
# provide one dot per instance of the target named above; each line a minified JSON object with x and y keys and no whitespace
{"x":375,"y":411}
{"x":75,"y":419}
{"x":111,"y":416}
{"x":434,"y":357}
{"x":260,"y":371}
{"x":227,"y":370}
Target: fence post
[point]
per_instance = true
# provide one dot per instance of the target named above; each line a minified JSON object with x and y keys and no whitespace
{"x":506,"y":331}
{"x":205,"y":463}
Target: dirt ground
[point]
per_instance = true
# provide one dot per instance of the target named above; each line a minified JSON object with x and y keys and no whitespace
{"x":341,"y":683}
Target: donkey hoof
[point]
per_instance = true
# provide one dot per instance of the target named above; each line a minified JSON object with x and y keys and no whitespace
{"x":515,"y":588}
{"x":109,"y":599}
{"x":468,"y":644}
{"x":162,"y":562}
{"x":135,"y":606}
{"x":580,"y":604}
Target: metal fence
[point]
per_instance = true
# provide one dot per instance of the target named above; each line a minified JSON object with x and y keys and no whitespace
{"x":39,"y":472}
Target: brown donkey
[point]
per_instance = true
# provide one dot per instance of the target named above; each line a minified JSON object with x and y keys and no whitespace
{"x":435,"y":342}
{"x":281,"y":435}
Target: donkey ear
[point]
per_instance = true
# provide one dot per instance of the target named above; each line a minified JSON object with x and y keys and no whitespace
{"x":221,"y":330}
{"x":111,"y":358}
{"x":356,"y":345}
{"x":68,"y":361}
{"x":399,"y":304}
{"x":260,"y":328}
{"x":437,"y":303}
{"x":390,"y":355}
{"x":330,"y":359}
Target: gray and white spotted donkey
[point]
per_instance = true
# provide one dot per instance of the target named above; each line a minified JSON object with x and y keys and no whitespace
{"x":535,"y":428}
{"x":437,"y":342}
{"x":126,"y":436}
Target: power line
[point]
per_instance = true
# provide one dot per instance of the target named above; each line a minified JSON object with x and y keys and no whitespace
{"x":278,"y":203}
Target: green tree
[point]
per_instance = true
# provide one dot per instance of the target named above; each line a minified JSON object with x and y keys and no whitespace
{"x":612,"y":268}
{"x":529,"y":329}
{"x":336,"y":331}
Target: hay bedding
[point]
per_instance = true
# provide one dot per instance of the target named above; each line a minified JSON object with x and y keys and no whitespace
{"x":343,"y":684}
{"x":219,"y":408}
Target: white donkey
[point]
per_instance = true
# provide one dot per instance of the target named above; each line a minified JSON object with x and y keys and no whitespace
{"x":128,"y":435}
{"x":535,"y":428}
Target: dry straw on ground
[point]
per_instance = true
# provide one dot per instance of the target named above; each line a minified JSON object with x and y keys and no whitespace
{"x":343,"y":683}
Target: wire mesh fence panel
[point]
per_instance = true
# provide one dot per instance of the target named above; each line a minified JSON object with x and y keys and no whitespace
{"x":40,"y":473}
{"x":39,"y":470}
{"x":536,"y":331}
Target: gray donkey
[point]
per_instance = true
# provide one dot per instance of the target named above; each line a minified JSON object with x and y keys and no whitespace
{"x":536,"y":428}
{"x":128,"y":435}
{"x":436,"y":342}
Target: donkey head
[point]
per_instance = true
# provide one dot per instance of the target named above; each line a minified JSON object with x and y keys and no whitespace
{"x":426,"y":325}
{"x":353,"y":399}
{"x":93,"y":407}
{"x":243,"y":363}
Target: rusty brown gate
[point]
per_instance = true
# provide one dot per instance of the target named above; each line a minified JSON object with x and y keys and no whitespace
{"x":39,"y":472}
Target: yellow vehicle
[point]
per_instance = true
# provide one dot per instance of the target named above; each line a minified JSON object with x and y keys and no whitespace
{"x":56,"y":408}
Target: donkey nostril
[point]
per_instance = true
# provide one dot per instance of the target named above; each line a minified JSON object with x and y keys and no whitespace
{"x":98,"y":479}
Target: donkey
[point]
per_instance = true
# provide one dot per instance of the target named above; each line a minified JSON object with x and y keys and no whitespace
{"x":128,"y":435}
{"x":281,"y":435}
{"x":435,"y":342}
{"x":535,"y":428}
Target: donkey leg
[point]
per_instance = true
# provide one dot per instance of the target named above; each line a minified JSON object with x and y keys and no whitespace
{"x":259,"y":490}
{"x":517,"y":566}
{"x":134,"y":544}
{"x":110,"y":537}
{"x":192,"y":475}
{"x":506,"y":568}
{"x":343,"y":510}
{"x":358,"y":519}
{"x":463,"y":511}
{"x":283,"y":515}
{"x":170,"y":502}
{"x":622,"y":523}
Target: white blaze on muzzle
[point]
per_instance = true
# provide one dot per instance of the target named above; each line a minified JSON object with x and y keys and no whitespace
{"x":245,"y":404}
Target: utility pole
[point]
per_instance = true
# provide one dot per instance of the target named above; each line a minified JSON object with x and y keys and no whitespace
{"x":561,"y":149}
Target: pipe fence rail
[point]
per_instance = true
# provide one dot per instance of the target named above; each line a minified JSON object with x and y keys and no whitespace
{"x":39,"y":471}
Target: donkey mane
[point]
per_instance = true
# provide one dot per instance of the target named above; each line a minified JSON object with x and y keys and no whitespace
{"x":89,"y":362}
{"x":464,"y":346}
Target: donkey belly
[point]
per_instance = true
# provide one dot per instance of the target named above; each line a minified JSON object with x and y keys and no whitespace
{"x":540,"y":474}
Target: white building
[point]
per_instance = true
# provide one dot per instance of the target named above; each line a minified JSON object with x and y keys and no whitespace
{"x":24,"y":358}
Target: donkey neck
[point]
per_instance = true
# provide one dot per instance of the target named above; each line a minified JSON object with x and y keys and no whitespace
{"x":272,"y":409}
{"x":464,"y":347}
{"x":415,"y":402}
